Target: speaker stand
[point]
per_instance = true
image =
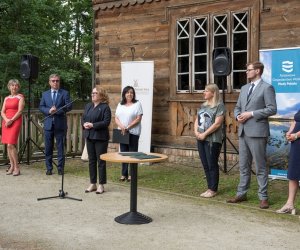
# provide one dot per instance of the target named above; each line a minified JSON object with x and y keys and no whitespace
{"x":225,"y":138}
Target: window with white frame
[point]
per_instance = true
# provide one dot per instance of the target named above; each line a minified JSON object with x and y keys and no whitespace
{"x":196,"y":39}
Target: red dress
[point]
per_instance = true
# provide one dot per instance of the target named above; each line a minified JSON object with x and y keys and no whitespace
{"x":10,"y":134}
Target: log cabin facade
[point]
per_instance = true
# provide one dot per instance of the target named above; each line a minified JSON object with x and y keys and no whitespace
{"x":180,"y":36}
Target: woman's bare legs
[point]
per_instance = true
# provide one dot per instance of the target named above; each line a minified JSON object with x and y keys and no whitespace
{"x":11,"y":168}
{"x":293,"y":188}
{"x":289,"y":205}
{"x":13,"y":157}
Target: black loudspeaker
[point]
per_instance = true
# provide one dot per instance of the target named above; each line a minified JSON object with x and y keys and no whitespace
{"x":222,"y":61}
{"x":29,"y":67}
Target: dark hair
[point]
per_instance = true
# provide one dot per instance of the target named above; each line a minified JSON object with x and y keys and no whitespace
{"x":125,"y":90}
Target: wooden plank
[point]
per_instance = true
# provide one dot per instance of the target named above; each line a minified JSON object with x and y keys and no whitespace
{"x":269,"y":41}
{"x":173,"y":118}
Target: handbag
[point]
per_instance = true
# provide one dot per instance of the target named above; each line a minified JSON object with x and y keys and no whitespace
{"x":118,"y":137}
{"x":84,"y":156}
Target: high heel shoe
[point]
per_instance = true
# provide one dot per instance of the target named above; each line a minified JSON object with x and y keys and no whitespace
{"x":9,"y":171}
{"x":16,"y":173}
{"x":286,"y":210}
{"x":210,"y":194}
{"x":100,"y":189}
{"x":203,"y":194}
{"x":123,"y":178}
{"x":91,"y":188}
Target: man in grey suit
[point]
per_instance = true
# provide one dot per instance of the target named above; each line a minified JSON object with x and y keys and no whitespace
{"x":255,"y":104}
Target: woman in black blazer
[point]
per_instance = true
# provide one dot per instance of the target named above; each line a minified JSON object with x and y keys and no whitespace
{"x":95,"y":121}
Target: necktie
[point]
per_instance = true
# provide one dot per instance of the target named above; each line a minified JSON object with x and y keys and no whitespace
{"x":250,"y":91}
{"x":54,"y":97}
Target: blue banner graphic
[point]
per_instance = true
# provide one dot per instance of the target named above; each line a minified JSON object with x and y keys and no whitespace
{"x":282,"y":70}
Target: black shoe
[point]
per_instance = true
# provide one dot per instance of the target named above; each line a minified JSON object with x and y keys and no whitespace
{"x":59,"y":172}
{"x":49,"y":172}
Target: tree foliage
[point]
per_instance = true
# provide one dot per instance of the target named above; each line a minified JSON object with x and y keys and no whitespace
{"x":58,"y":32}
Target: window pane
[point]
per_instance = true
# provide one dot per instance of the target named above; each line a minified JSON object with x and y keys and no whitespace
{"x":200,"y":63}
{"x":200,"y":27}
{"x":200,"y":81}
{"x":220,"y":25}
{"x":219,"y":81}
{"x":183,"y":46}
{"x":240,"y":41}
{"x":240,"y":21}
{"x":239,"y":79}
{"x":200,"y":45}
{"x":183,"y":29}
{"x":183,"y":82}
{"x":183,"y":64}
{"x":220,"y":41}
{"x":220,"y":29}
{"x":239,"y":61}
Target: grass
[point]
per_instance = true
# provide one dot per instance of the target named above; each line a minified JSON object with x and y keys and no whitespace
{"x":186,"y":180}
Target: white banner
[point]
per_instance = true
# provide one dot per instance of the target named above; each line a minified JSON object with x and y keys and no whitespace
{"x":140,"y":75}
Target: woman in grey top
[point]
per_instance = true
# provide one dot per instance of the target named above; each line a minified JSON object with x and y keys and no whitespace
{"x":208,"y":132}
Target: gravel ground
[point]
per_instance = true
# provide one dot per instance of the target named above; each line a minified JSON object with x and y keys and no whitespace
{"x":178,"y":222}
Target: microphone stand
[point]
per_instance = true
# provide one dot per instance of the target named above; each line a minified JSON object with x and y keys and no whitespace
{"x":61,"y":194}
{"x":66,"y":105}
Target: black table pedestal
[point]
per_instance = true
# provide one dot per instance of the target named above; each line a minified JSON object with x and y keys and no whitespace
{"x":133,"y":217}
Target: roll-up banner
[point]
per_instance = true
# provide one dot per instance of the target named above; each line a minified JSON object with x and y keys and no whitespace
{"x":282,"y":70}
{"x":140,"y":75}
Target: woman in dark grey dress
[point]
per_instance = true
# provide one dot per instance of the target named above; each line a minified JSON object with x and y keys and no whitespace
{"x":293,"y":136}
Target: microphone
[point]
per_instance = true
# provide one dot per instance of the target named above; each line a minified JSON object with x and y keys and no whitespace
{"x":66,"y":105}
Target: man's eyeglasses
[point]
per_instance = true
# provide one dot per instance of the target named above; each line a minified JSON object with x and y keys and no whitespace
{"x":54,"y":80}
{"x":249,"y":70}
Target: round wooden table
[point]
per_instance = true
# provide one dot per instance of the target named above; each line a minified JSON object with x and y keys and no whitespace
{"x":132,"y":217}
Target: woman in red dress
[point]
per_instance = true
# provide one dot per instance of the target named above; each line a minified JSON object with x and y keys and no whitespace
{"x":11,"y":113}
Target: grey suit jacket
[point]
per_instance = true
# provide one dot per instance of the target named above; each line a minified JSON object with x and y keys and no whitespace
{"x":263,"y":104}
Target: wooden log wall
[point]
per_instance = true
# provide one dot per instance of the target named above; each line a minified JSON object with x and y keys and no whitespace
{"x":136,"y":26}
{"x":121,"y":26}
{"x":280,"y":24}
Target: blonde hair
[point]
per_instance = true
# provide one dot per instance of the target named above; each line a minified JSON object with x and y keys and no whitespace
{"x":54,"y":75}
{"x":216,"y":98}
{"x":13,"y":81}
{"x":103,"y":94}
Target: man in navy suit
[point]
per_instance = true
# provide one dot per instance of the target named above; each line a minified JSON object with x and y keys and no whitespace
{"x":55,"y":103}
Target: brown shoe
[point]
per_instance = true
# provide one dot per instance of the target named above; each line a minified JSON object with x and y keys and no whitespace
{"x":237,"y":199}
{"x":264,"y":204}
